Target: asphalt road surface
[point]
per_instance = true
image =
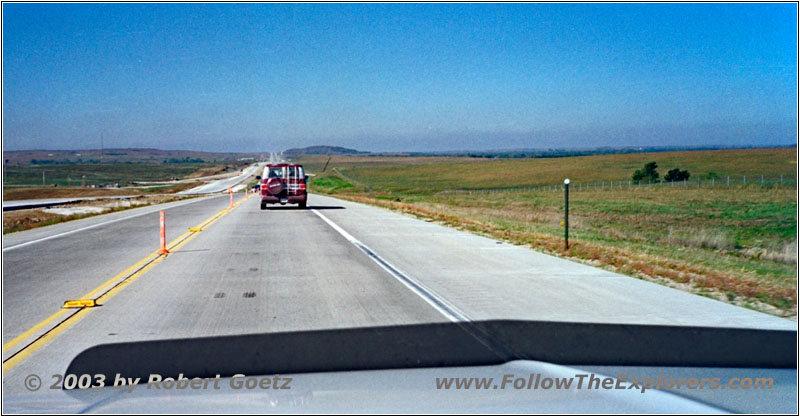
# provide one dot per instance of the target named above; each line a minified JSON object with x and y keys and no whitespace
{"x":335,"y":265}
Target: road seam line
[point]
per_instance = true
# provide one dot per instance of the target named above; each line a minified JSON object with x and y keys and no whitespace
{"x":13,"y":342}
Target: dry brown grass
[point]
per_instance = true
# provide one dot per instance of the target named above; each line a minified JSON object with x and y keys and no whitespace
{"x":19,"y":220}
{"x":208,"y":171}
{"x":27,"y":193}
{"x":436,"y":174}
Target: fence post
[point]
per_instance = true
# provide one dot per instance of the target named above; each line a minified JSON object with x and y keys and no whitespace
{"x":712,"y":182}
{"x":729,"y":181}
{"x":744,"y":179}
{"x":781,"y":179}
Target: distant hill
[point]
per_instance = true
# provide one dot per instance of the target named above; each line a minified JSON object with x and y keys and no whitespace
{"x":322,"y":150}
{"x":119,"y":155}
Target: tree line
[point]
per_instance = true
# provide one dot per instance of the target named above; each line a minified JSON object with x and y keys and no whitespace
{"x":649,"y":173}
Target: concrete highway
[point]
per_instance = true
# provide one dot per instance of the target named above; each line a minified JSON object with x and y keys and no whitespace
{"x":47,"y":202}
{"x":336,"y":265}
{"x":223,"y":184}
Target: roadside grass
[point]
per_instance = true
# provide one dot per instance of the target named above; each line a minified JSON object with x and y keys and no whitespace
{"x":332,"y":184}
{"x":316,"y":163}
{"x":72,"y":174}
{"x":34,"y":219}
{"x":26,"y":219}
{"x":736,"y":244}
{"x":27,"y":193}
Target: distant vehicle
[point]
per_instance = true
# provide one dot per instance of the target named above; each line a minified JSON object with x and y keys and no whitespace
{"x":283,"y":183}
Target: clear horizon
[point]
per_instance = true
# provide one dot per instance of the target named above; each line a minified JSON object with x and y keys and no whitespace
{"x":398,"y":77}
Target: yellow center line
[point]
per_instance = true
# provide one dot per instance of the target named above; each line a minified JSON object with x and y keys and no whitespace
{"x":13,"y":361}
{"x":13,"y":342}
{"x":148,"y":261}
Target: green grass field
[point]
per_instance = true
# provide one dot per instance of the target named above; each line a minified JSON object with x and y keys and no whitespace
{"x":431,"y":175}
{"x":737,"y":243}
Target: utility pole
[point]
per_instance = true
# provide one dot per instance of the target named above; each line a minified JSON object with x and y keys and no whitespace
{"x":101,"y":145}
{"x":42,"y":177}
{"x":566,"y":214}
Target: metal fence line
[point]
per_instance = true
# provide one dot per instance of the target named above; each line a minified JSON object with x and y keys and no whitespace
{"x":714,"y":182}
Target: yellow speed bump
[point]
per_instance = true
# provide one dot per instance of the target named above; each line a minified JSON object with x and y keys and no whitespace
{"x":195,"y":229}
{"x":79,"y":303}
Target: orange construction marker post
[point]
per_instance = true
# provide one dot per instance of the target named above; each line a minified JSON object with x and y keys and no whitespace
{"x":163,"y":233}
{"x":230,"y":193}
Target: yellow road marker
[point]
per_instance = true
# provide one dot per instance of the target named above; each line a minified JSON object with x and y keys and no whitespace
{"x":149,"y":262}
{"x":13,"y":342}
{"x":195,"y":229}
{"x":79,"y":303}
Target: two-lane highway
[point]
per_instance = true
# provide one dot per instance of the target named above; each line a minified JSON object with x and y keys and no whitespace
{"x":336,"y":265}
{"x":44,"y":267}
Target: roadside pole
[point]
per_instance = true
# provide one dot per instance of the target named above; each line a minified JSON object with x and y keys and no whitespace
{"x":566,"y":214}
{"x":162,"y":232}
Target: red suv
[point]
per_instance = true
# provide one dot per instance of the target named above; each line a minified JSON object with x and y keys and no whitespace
{"x":283,"y":183}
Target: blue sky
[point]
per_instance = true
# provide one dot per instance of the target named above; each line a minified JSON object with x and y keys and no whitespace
{"x":398,"y":77}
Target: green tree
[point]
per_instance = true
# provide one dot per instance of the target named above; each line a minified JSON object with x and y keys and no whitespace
{"x":676,"y":174}
{"x":647,"y":174}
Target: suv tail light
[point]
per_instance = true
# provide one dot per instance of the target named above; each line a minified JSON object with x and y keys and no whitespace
{"x":302,"y":186}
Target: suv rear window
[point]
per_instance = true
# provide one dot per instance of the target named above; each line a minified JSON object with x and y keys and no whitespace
{"x":295,"y":172}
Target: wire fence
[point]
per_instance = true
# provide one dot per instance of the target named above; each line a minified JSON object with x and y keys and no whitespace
{"x":718,"y":182}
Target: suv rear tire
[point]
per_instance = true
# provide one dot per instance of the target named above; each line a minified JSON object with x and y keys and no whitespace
{"x":263,"y":206}
{"x":302,"y":205}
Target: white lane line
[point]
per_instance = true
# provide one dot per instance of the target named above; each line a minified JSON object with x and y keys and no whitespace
{"x":97,"y":225}
{"x":450,"y":311}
